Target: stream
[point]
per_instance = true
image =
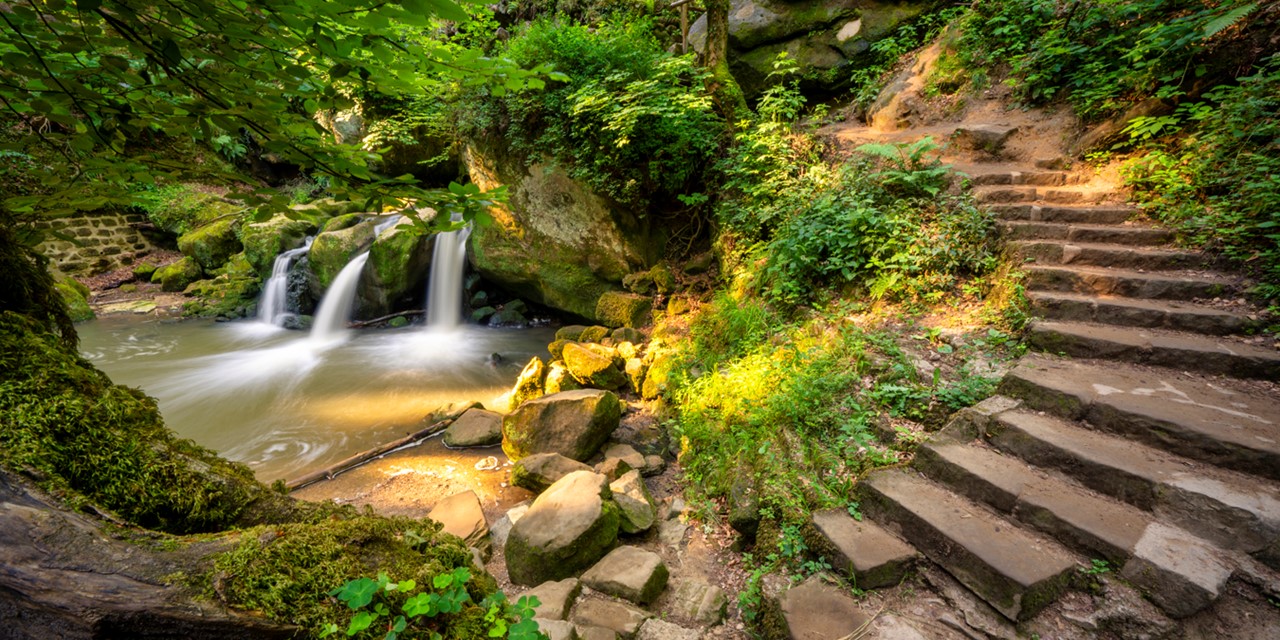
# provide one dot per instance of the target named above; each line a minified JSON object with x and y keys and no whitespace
{"x":286,"y":404}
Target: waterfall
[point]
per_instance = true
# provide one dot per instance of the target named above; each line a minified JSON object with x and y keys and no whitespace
{"x":272,"y":307}
{"x":335,"y":309}
{"x":444,"y":290}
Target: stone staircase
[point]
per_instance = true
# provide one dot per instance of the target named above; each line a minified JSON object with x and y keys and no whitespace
{"x":1146,"y":433}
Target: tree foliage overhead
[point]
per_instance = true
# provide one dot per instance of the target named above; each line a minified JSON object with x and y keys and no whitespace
{"x":83,"y":82}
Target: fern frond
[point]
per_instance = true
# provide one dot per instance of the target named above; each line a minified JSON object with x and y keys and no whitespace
{"x":1218,"y":24}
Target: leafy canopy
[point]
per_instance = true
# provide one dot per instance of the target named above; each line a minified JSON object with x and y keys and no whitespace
{"x":83,"y":83}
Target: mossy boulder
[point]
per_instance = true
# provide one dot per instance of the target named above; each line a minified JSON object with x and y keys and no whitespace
{"x":541,"y":470}
{"x":212,"y":244}
{"x":65,"y":413}
{"x":263,"y":241}
{"x":566,"y":530}
{"x":618,"y":309}
{"x":396,"y":274}
{"x":574,"y":424}
{"x":176,"y":276}
{"x":75,"y":299}
{"x":232,"y":294}
{"x":593,"y":334}
{"x":555,"y":241}
{"x":143,"y":270}
{"x":339,"y":241}
{"x":592,"y":368}
{"x":559,"y":379}
{"x":529,"y":384}
{"x":826,"y":37}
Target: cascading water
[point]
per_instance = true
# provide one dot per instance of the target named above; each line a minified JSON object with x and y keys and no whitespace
{"x":444,"y":290}
{"x":273,"y":307}
{"x":330,"y":325}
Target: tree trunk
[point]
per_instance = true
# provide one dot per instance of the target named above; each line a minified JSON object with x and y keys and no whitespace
{"x":69,"y":576}
{"x":724,"y":89}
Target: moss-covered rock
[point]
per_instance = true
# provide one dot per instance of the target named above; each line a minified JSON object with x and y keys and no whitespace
{"x":573,"y":424}
{"x":568,"y":528}
{"x":593,"y":334}
{"x":77,"y":305}
{"x":572,"y":332}
{"x":559,"y":379}
{"x":618,"y":309}
{"x":177,"y":276}
{"x":396,"y":273}
{"x":285,"y":572}
{"x":68,"y":425}
{"x":212,"y":244}
{"x":530,"y":383}
{"x":555,"y":241}
{"x":592,"y":369}
{"x":339,"y":241}
{"x":263,"y":241}
{"x":231,"y":294}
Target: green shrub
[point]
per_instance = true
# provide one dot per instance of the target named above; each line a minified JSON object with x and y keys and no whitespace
{"x":1100,"y":55}
{"x":632,"y":122}
{"x":1221,"y":186}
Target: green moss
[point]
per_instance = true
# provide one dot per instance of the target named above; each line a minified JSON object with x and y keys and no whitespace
{"x":618,"y":309}
{"x":212,"y":244}
{"x":263,"y":241}
{"x":77,"y":306}
{"x":85,"y":438}
{"x":285,"y":572}
{"x":337,"y":243}
{"x":143,"y":271}
{"x":177,"y":276}
{"x":183,"y":208}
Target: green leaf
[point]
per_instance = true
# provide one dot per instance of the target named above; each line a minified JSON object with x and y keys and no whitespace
{"x":361,"y":621}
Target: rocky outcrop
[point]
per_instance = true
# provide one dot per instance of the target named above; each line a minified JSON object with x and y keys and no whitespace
{"x":824,"y":36}
{"x":177,"y":276}
{"x":339,"y":240}
{"x":591,"y":367}
{"x":475,"y":428}
{"x":555,"y":241}
{"x":568,"y":528}
{"x":571,"y":423}
{"x":263,"y":241}
{"x":212,"y":244}
{"x":396,"y":273}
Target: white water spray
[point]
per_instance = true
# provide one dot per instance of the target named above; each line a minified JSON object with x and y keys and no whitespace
{"x":444,"y":290}
{"x":272,"y":308}
{"x":331,"y":318}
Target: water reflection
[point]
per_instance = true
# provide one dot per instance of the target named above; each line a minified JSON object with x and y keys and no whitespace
{"x":286,"y":405}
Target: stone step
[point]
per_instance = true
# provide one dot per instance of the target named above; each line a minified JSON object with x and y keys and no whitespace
{"x":997,"y":194}
{"x":981,"y":177}
{"x":1064,"y":214}
{"x":1096,"y":233}
{"x":1127,"y":283}
{"x":1231,"y":423}
{"x":1233,"y":510}
{"x":1101,"y":527}
{"x":1137,"y":312}
{"x":1157,"y":347}
{"x":862,"y":550}
{"x":1106,"y":255}
{"x":1016,"y":571}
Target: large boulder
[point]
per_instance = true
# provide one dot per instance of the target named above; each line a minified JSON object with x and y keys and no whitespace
{"x":340,"y":240}
{"x":529,"y":385}
{"x":176,"y":276}
{"x":475,"y":428}
{"x":212,"y":244}
{"x":635,"y":502}
{"x":396,"y":274}
{"x":573,"y":424}
{"x":554,"y":240}
{"x":541,"y":470}
{"x":630,"y":573}
{"x":825,"y":37}
{"x":461,"y":515}
{"x":591,"y":368}
{"x":568,"y":528}
{"x":263,"y":241}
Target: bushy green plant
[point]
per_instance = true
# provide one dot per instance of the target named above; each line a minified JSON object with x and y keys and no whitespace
{"x":1221,"y":186}
{"x":1101,"y":55}
{"x":631,"y":121}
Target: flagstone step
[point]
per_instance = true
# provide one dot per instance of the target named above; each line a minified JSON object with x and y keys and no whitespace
{"x":1226,"y":422}
{"x":1016,"y":571}
{"x":1097,"y":254}
{"x":1129,"y":234}
{"x":1157,"y":347}
{"x":1138,"y":312}
{"x":1129,"y":283}
{"x":1063,"y":214}
{"x":1120,"y":533}
{"x":1233,"y":510}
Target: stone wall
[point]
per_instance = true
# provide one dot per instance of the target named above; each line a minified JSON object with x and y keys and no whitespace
{"x":103,"y":241}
